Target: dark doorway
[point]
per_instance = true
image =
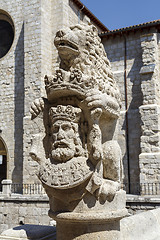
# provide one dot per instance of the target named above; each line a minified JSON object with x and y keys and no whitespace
{"x":3,"y":169}
{"x":3,"y":163}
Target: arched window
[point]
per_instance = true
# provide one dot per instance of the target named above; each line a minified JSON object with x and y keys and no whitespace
{"x":3,"y":162}
{"x":6,"y":33}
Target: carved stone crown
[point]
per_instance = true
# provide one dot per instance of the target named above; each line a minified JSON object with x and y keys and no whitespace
{"x":62,"y":82}
{"x":75,"y":83}
{"x":68,"y":113}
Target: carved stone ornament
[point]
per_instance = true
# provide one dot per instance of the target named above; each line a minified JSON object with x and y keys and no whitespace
{"x":80,"y":163}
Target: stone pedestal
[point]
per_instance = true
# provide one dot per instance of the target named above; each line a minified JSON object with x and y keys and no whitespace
{"x":88,"y":230}
{"x":79,"y":157}
{"x":91,"y":224}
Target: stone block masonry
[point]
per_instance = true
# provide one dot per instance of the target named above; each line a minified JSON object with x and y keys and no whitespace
{"x":135,"y":62}
{"x":150,"y":111}
{"x":124,"y":53}
{"x":12,"y":93}
{"x":17,"y":210}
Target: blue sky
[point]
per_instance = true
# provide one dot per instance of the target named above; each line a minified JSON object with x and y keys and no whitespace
{"x":123,"y":13}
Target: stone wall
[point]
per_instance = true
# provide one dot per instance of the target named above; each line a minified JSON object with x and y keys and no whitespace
{"x":136,"y":204}
{"x":38,"y":60}
{"x":18,"y":209}
{"x":124,"y":53}
{"x":12,"y":93}
{"x":150,"y":110}
{"x":134,"y":59}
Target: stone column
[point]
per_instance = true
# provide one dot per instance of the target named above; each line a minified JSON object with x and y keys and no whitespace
{"x":88,"y":230}
{"x":149,"y":158}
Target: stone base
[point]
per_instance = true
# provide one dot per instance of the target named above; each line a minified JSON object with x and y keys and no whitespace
{"x":36,"y":232}
{"x":89,"y":226}
{"x":91,"y":219}
{"x":88,"y":231}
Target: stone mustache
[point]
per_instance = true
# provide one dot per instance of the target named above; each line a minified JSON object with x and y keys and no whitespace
{"x":80,"y":159}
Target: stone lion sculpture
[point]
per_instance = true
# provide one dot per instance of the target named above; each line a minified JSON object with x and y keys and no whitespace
{"x":83,"y":81}
{"x":80,"y":48}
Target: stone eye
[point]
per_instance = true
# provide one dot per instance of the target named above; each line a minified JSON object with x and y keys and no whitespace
{"x":55,"y":129}
{"x":66,"y":127}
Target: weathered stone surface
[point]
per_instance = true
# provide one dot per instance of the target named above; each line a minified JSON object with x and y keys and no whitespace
{"x":139,"y":52}
{"x":147,"y":69}
{"x":79,"y":158}
{"x":23,"y":209}
{"x":142,"y":226}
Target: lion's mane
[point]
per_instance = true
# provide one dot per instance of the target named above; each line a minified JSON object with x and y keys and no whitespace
{"x":93,"y":62}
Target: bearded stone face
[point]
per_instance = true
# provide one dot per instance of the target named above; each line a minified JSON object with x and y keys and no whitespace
{"x":63,"y":135}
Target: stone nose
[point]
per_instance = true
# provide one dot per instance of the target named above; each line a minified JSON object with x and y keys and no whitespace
{"x":60,"y":33}
{"x":60,"y":134}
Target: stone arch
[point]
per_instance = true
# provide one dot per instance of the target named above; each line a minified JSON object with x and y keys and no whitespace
{"x":3,"y":160}
{"x":7,"y":32}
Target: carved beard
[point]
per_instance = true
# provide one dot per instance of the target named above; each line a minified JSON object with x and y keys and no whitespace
{"x":62,"y":151}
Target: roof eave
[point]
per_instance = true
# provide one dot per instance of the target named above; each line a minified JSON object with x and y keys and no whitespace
{"x":94,"y":19}
{"x":132,"y":28}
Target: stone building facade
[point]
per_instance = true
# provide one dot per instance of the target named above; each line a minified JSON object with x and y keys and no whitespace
{"x":134,"y":55}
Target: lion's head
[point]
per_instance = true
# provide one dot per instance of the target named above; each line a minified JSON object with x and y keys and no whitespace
{"x":80,"y":49}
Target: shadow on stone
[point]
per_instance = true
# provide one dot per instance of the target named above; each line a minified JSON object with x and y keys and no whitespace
{"x":29,"y":231}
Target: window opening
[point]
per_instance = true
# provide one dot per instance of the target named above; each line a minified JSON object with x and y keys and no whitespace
{"x":6,"y":33}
